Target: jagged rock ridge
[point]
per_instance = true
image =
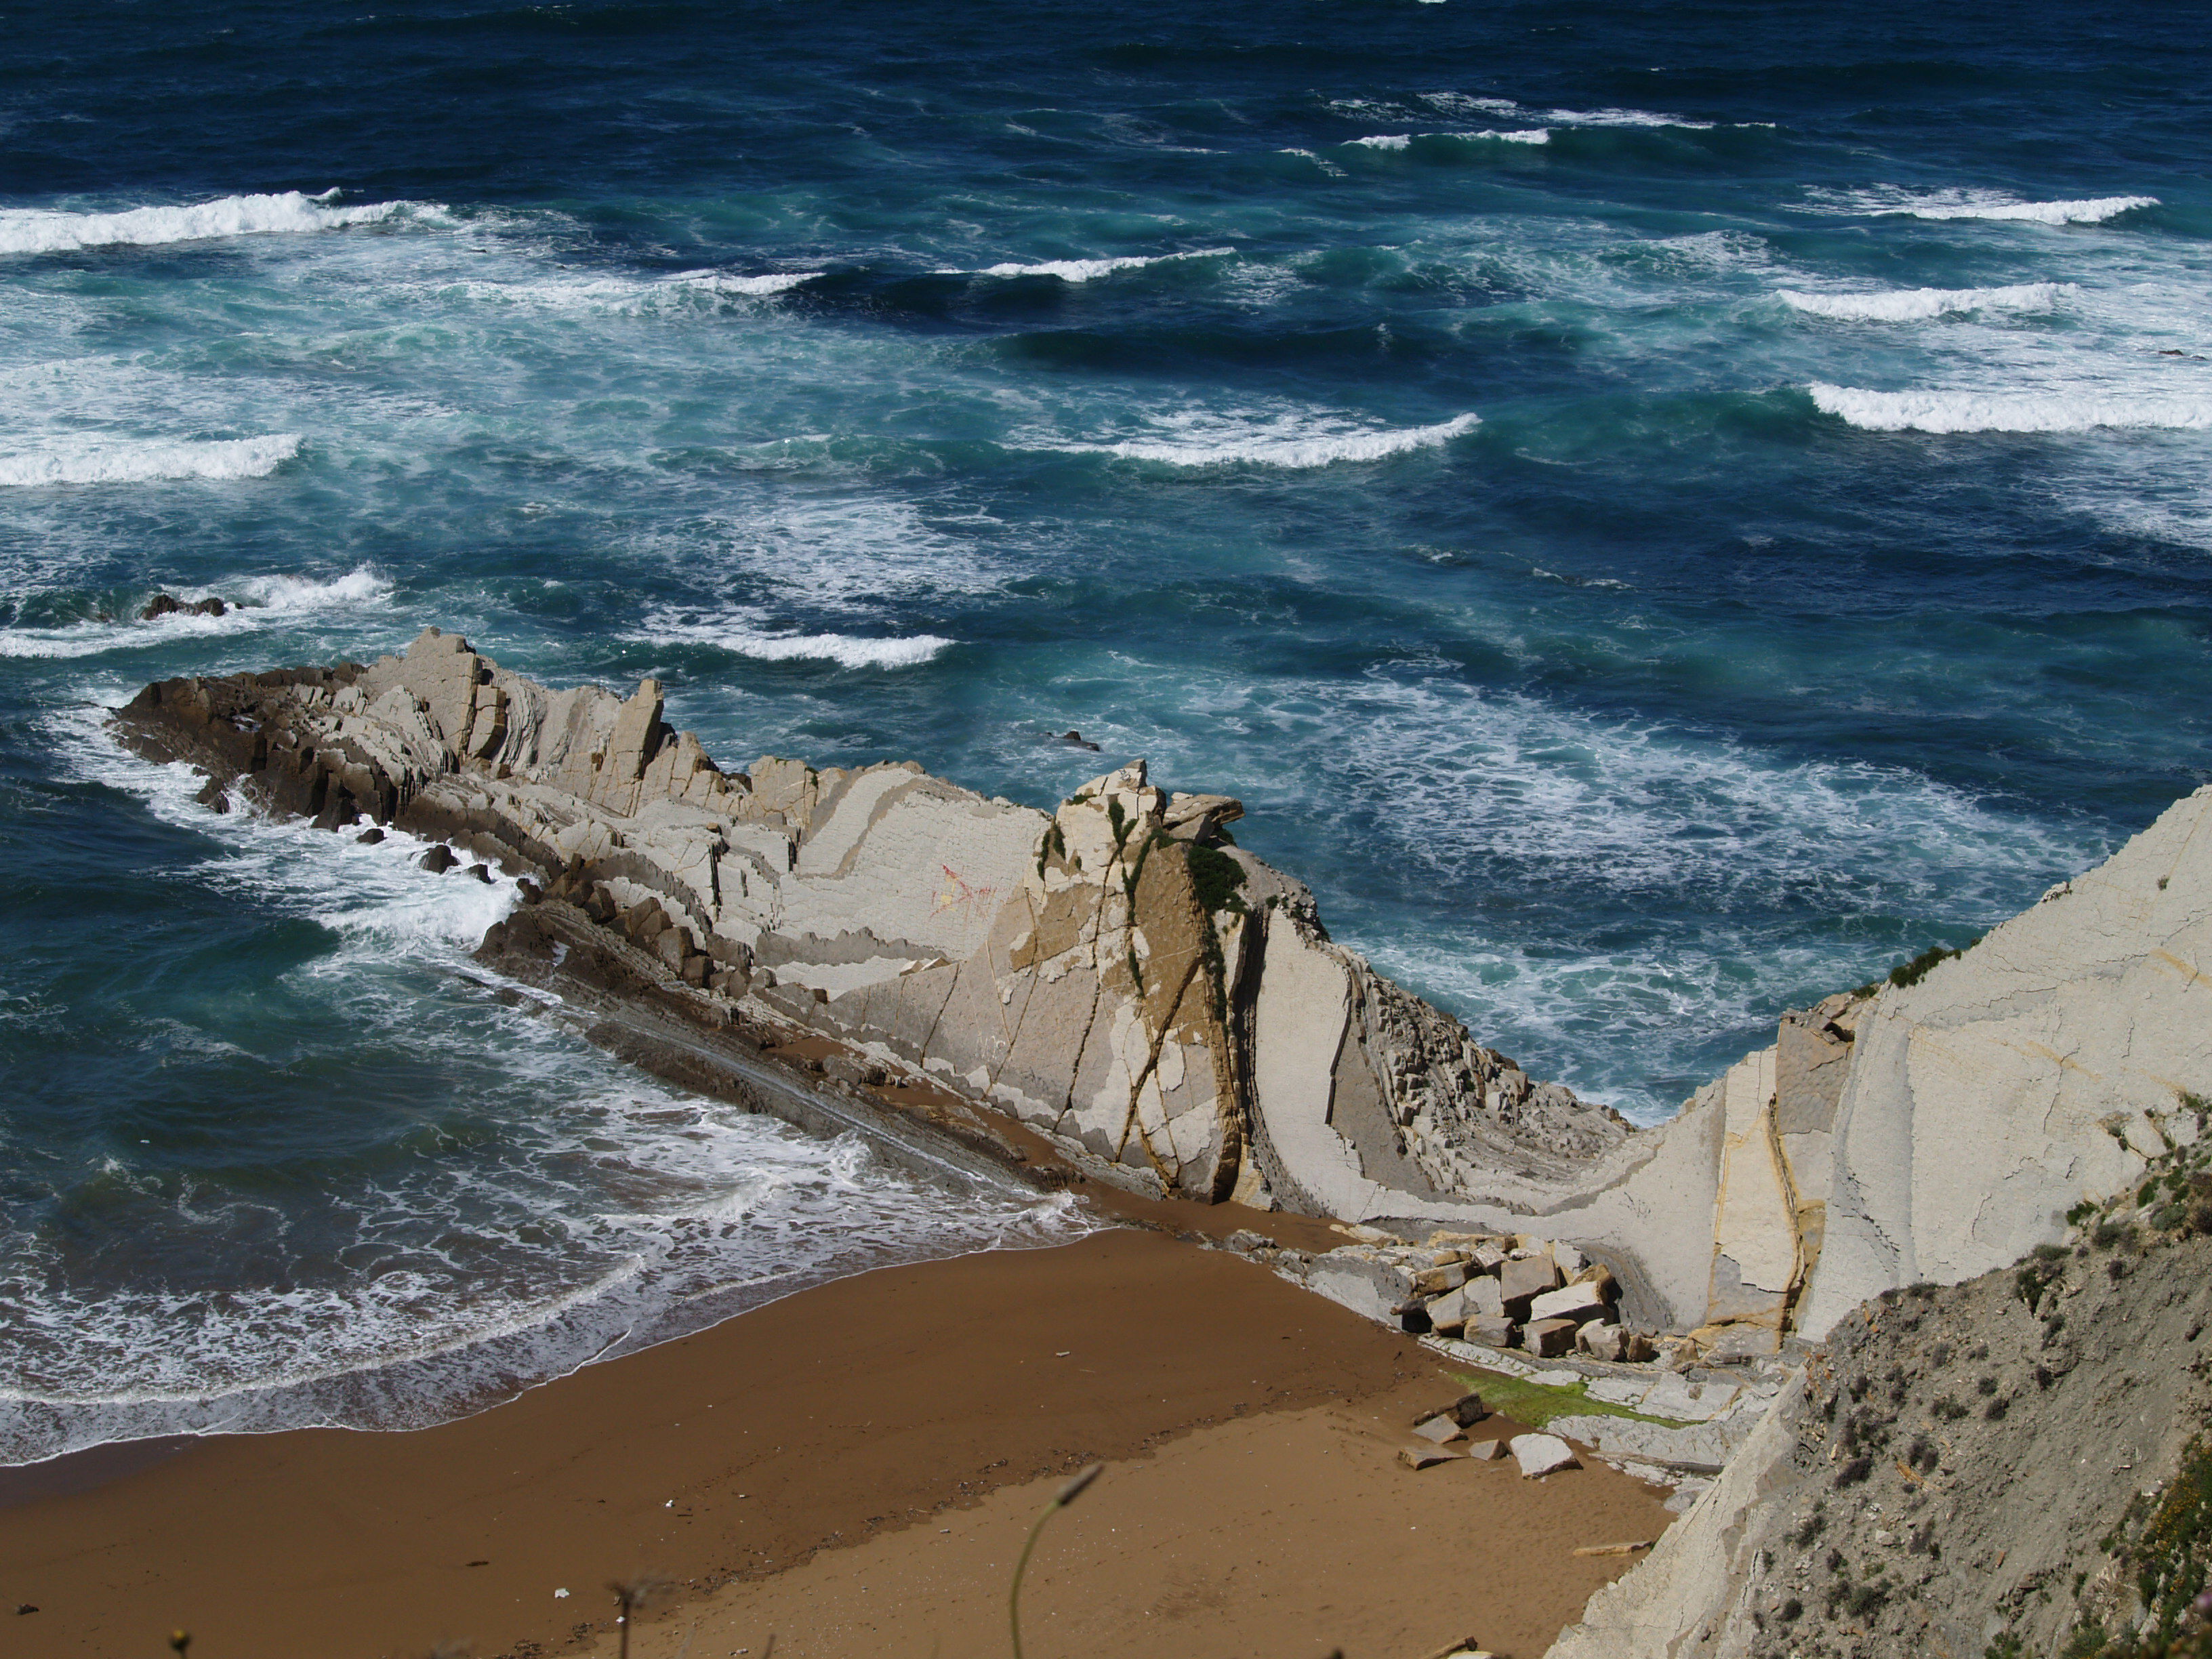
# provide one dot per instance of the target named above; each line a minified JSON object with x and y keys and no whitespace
{"x":1169,"y":1011}
{"x":1166,"y":1007}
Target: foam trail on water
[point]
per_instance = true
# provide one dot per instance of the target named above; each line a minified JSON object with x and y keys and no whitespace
{"x":1915,"y":305}
{"x":1083,"y":270}
{"x":1881,"y":199}
{"x":779,"y":281}
{"x":41,"y":230}
{"x":1623,"y":118}
{"x":1285,"y":441}
{"x":632,"y":296}
{"x":846,"y":650}
{"x":1460,"y":103}
{"x":2007,"y":411}
{"x":1402,"y":141}
{"x":256,"y":602}
{"x":88,"y":460}
{"x":2046,"y":213}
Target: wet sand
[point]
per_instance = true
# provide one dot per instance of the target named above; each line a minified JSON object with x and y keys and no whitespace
{"x":790,"y":1471}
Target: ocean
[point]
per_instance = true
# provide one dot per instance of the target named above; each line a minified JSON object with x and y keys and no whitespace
{"x":1659,"y":511}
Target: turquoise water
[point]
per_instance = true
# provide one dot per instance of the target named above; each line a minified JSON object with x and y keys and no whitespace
{"x":1659,"y":511}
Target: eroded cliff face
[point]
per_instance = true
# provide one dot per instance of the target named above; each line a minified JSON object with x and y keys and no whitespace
{"x":1931,"y":1130}
{"x":1166,"y":1009}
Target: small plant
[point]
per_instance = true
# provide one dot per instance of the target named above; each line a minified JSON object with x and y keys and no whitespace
{"x":1866,"y":1599}
{"x":1912,"y":972}
{"x":1946,"y":1409}
{"x":1854,"y":1472}
{"x":1217,"y":877}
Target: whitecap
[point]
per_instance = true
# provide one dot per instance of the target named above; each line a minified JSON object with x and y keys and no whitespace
{"x":1921,"y":304}
{"x":1940,"y":204}
{"x":2007,"y":411}
{"x":1461,"y":103}
{"x":1400,"y":141}
{"x":42,"y":230}
{"x":95,"y":458}
{"x":1083,"y":270}
{"x":1284,"y":440}
{"x":777,"y":282}
{"x":1324,"y":163}
{"x":2095,"y":211}
{"x":632,"y":295}
{"x":1622,"y":118}
{"x":255,"y":602}
{"x":846,"y":650}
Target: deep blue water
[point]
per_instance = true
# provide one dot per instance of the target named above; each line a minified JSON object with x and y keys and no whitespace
{"x":1658,"y":510}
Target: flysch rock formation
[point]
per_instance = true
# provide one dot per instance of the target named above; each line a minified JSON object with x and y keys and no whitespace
{"x":1169,"y":1013}
{"x":1165,"y":1008}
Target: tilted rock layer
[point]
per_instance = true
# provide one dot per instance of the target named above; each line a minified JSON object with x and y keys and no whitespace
{"x":1166,"y":1007}
{"x":1170,"y":1012}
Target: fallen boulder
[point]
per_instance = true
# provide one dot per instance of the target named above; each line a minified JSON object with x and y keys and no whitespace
{"x":1542,"y":1454}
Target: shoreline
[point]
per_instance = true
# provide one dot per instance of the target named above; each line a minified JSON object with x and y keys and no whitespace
{"x":849,"y":1412}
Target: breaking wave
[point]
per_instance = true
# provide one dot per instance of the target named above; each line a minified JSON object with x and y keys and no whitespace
{"x":1976,"y":205}
{"x":255,"y":602}
{"x":42,"y":230}
{"x":1083,"y":270}
{"x":1285,"y":440}
{"x":846,"y":650}
{"x":1402,"y":141}
{"x":2005,"y":411}
{"x":90,"y":458}
{"x":1915,"y":305}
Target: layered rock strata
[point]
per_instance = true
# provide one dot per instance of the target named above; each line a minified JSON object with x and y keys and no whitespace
{"x":1169,"y":1011}
{"x":1165,"y":1008}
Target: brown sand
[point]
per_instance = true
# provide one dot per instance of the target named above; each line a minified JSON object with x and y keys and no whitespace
{"x":1288,"y":1534}
{"x":844,"y":1419}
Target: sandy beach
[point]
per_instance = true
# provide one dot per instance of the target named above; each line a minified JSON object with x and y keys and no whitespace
{"x":849,"y":1471}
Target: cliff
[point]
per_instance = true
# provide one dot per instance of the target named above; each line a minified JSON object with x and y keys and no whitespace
{"x":2012,"y":1465}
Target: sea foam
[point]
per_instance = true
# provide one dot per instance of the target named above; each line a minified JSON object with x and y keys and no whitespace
{"x":2095,"y":211}
{"x":846,"y":650}
{"x":2005,"y":411}
{"x":1403,"y":141}
{"x":91,"y":457}
{"x":1884,"y":199}
{"x":1915,"y":305}
{"x":586,"y":1212}
{"x":255,"y":602}
{"x":1085,"y":271}
{"x":42,"y":230}
{"x":1285,"y":441}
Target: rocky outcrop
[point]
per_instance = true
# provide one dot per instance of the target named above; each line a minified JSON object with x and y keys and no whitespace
{"x":1169,"y":1013}
{"x":1940,"y":1124}
{"x":1165,"y":1009}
